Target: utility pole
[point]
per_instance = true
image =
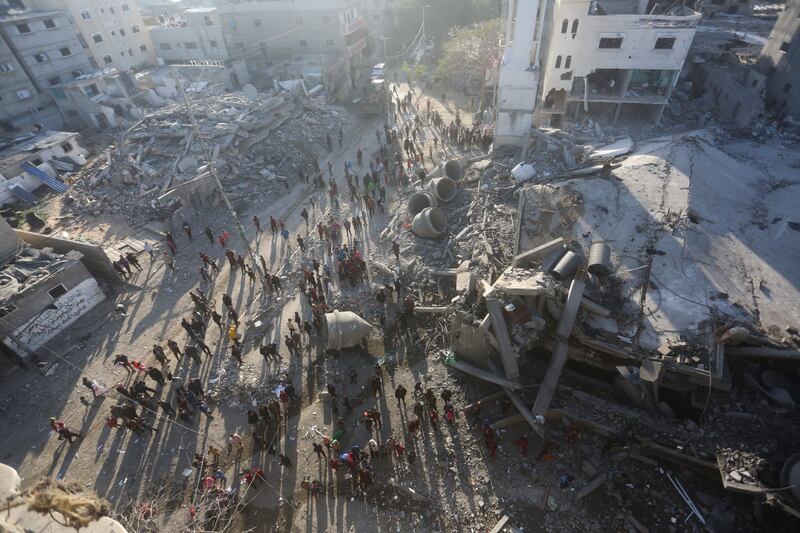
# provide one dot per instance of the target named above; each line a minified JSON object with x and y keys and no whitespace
{"x":384,"y":39}
{"x":213,"y":171}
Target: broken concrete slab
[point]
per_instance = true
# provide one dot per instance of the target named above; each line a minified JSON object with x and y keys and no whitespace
{"x":592,"y":486}
{"x":483,"y":374}
{"x":540,"y":251}
{"x":507,"y":353}
{"x":559,"y":357}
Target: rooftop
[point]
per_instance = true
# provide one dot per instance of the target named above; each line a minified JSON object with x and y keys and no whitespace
{"x":30,"y":267}
{"x":12,"y":156}
{"x":715,"y":230}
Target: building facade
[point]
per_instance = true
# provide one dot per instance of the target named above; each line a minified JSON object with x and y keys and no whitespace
{"x":262,"y":33}
{"x":38,"y":50}
{"x":193,"y":35}
{"x":613,"y":56}
{"x":588,"y":56}
{"x":113,"y":30}
{"x":780,"y":62}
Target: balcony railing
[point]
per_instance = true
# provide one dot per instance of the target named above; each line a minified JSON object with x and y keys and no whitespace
{"x":351,"y":27}
{"x":357,"y":46}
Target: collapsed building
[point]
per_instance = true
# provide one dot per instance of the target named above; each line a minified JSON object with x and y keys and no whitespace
{"x":657,"y":277}
{"x":161,"y":170}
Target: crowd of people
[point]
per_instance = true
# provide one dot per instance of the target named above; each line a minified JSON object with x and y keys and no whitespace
{"x":399,"y":159}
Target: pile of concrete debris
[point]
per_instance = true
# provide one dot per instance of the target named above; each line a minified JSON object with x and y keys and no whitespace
{"x":255,"y":142}
{"x":628,"y":283}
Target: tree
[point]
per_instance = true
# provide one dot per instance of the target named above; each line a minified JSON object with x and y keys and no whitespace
{"x":440,"y":17}
{"x":414,"y":73}
{"x":467,"y":55}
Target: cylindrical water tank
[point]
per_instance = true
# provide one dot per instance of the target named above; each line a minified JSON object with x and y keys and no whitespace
{"x":566,"y":266}
{"x":430,"y":223}
{"x":344,"y":329}
{"x":453,"y":170}
{"x":419,"y":201}
{"x":443,"y":189}
{"x":599,"y":259}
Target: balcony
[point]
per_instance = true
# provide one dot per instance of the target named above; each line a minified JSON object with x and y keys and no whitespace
{"x":353,"y":26}
{"x":357,"y":46}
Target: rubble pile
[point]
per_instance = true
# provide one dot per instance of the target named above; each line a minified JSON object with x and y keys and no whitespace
{"x":658,"y":341}
{"x":255,"y":145}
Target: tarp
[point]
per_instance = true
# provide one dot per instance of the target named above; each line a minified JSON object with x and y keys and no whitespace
{"x":22,"y":194}
{"x":44,"y":177}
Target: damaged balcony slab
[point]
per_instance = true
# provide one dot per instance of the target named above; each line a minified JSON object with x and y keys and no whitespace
{"x":559,"y":357}
{"x":507,"y":353}
{"x":485,"y":375}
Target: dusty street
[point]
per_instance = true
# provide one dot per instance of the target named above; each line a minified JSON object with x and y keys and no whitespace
{"x":126,"y":467}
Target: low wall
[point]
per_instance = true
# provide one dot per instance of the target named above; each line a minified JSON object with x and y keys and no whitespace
{"x":94,"y":257}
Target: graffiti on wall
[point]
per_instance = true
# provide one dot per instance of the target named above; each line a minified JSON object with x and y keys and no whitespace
{"x":66,"y":309}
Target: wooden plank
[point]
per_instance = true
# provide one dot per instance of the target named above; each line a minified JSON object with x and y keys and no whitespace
{"x":500,"y":524}
{"x":559,"y":357}
{"x":431,"y":310}
{"x":483,"y":374}
{"x":539,"y":251}
{"x":507,"y":353}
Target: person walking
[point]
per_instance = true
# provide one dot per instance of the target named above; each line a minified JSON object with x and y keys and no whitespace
{"x":304,"y":214}
{"x":187,"y":229}
{"x":133,"y":261}
{"x":159,"y":354}
{"x":169,"y":261}
{"x":400,"y":393}
{"x":257,"y":223}
{"x":396,"y":250}
{"x":175,"y":349}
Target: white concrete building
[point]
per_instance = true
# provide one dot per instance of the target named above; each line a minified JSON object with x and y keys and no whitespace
{"x":37,"y":51}
{"x":40,"y":151}
{"x":603,"y":57}
{"x":194,"y":34}
{"x":113,"y":30}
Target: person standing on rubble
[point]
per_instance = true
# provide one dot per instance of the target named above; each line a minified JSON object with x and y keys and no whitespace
{"x":304,"y":214}
{"x":341,"y":137}
{"x":150,"y":250}
{"x":187,"y":229}
{"x":209,"y":234}
{"x":133,"y":261}
{"x":231,"y":258}
{"x":171,"y":242}
{"x":257,"y":223}
{"x":169,"y":261}
{"x":360,"y":157}
{"x":329,"y":142}
{"x":396,"y":250}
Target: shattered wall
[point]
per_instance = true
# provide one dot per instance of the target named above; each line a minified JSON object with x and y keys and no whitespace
{"x":40,"y":317}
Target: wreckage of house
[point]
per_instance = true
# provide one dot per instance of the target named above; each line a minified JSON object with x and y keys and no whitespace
{"x":41,"y":293}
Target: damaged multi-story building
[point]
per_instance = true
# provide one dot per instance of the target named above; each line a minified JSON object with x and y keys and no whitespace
{"x":195,"y":36}
{"x":606,"y":58}
{"x":780,"y":61}
{"x":334,"y":32}
{"x":38,"y":50}
{"x":112,"y":31}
